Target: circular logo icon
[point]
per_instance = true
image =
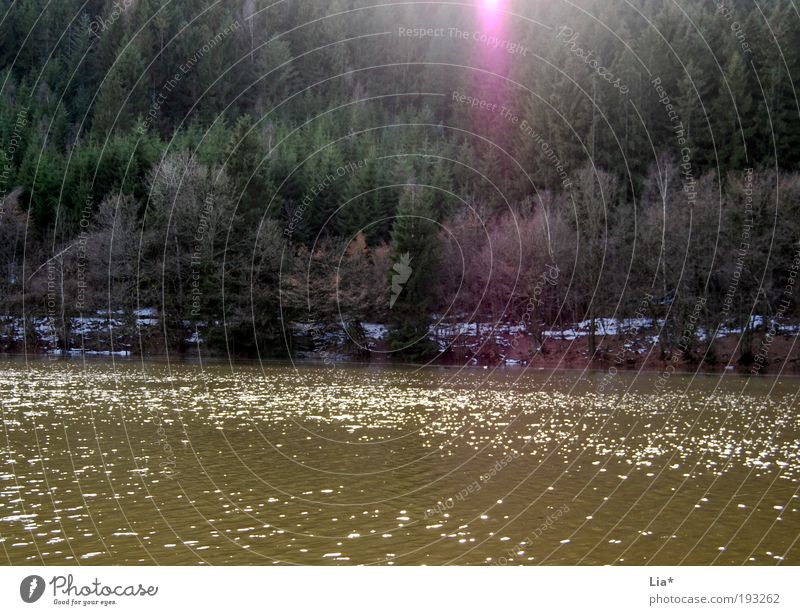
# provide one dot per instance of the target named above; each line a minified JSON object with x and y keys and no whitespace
{"x":31,"y":588}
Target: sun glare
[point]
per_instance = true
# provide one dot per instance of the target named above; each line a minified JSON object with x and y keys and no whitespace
{"x":490,"y":13}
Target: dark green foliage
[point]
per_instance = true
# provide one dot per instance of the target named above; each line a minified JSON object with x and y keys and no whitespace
{"x":413,"y":273}
{"x":333,"y":126}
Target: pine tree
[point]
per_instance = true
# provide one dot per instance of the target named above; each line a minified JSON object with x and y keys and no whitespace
{"x":412,"y":275}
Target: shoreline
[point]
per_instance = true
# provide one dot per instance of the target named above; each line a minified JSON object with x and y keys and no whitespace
{"x":595,"y":367}
{"x":621,"y":345}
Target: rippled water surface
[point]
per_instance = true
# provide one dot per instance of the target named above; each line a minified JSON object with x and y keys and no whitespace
{"x":180,"y":464}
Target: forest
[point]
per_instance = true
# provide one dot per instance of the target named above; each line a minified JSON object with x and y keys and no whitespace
{"x":230,"y":171}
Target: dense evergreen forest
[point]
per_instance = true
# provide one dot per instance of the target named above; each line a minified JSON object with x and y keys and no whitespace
{"x":237,"y":166}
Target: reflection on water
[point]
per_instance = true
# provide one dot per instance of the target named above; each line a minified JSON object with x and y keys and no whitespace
{"x":181,"y":464}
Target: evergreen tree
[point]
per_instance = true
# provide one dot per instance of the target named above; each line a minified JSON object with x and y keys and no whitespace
{"x":412,"y":275}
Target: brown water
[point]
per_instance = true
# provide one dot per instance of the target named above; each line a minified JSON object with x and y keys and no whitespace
{"x":179,"y":464}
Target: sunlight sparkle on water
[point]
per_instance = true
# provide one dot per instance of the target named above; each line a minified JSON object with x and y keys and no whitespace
{"x":320,"y":480}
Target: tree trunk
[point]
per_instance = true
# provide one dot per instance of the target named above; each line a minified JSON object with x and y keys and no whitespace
{"x":592,"y":338}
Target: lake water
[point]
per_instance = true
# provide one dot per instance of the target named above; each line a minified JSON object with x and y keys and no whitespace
{"x":128,"y":462}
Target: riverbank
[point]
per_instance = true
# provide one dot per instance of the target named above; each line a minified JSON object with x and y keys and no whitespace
{"x":625,"y":344}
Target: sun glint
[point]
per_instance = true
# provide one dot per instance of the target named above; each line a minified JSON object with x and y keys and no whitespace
{"x":490,"y":13}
